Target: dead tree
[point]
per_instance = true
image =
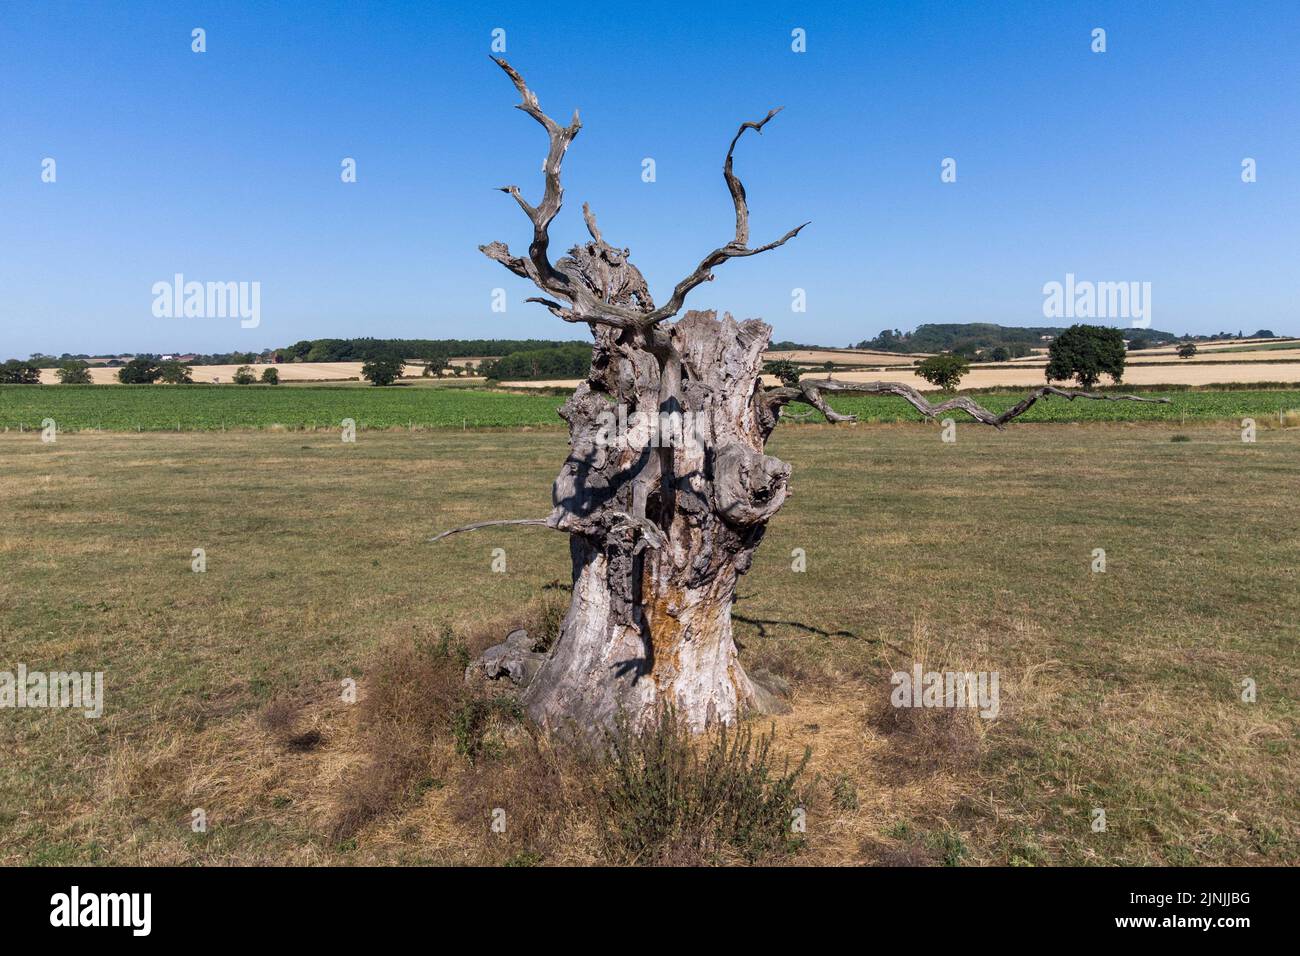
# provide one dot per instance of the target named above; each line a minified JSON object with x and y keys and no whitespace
{"x":660,"y":528}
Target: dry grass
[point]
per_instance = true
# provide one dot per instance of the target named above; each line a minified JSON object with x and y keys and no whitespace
{"x":844,"y":356}
{"x":224,"y":690}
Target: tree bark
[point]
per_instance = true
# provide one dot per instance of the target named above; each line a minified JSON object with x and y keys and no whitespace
{"x":665,"y":516}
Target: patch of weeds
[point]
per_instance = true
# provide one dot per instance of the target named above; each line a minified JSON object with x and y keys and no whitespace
{"x":472,"y":721}
{"x":425,"y":784}
{"x":844,"y":795}
{"x":452,"y":648}
{"x":914,"y":847}
{"x":1179,"y":856}
{"x":1266,"y":839}
{"x":949,"y":845}
{"x":1025,"y":850}
{"x":669,"y":797}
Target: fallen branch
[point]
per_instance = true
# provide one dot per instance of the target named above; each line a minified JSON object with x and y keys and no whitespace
{"x":809,"y":390}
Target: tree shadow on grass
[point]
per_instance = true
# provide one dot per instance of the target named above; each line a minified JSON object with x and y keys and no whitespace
{"x":762,"y":624}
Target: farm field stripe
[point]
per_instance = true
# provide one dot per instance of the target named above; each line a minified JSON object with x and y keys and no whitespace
{"x":217,"y":407}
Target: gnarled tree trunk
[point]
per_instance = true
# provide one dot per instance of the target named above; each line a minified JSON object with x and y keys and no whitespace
{"x":665,"y":514}
{"x":666,"y":491}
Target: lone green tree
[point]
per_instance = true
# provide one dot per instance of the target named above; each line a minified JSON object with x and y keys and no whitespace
{"x":75,"y":372}
{"x":175,"y":373}
{"x":139,"y":371}
{"x":434,"y":362}
{"x":786,"y":371}
{"x":383,"y":370}
{"x":244,"y":375}
{"x":1086,"y":353}
{"x":1187,"y":350}
{"x":270,"y":376}
{"x":943,"y":371}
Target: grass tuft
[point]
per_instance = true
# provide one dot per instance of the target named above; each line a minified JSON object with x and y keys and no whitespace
{"x":670,"y":797}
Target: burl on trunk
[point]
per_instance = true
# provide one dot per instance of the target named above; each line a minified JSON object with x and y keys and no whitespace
{"x":667,"y":490}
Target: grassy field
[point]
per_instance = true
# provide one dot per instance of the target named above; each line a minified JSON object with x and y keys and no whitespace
{"x":222,"y":407}
{"x":1121,"y":690}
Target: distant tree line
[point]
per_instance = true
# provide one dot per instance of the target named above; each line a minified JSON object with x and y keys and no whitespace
{"x":787,"y":346}
{"x":365,"y":349}
{"x":981,"y":341}
{"x":17,"y":372}
{"x":1225,"y":336}
{"x":328,"y":350}
{"x":562,"y":361}
{"x":41,"y":360}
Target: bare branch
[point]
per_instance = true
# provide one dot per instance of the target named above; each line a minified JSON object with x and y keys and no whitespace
{"x":568,"y":279}
{"x":590,"y":219}
{"x":501,"y":253}
{"x":567,"y":315}
{"x":541,"y":215}
{"x":738,"y":247}
{"x":564,"y":279}
{"x":809,"y":390}
{"x":735,"y":186}
{"x":573,"y":315}
{"x":542,"y":522}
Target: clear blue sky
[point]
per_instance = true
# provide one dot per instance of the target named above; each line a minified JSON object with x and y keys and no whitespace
{"x":225,"y":165}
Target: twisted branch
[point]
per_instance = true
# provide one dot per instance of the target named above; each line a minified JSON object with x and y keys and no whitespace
{"x":543,"y":214}
{"x":537,"y":266}
{"x":738,"y":247}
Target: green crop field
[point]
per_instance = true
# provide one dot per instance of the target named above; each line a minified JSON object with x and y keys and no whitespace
{"x":217,"y":407}
{"x":224,"y":407}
